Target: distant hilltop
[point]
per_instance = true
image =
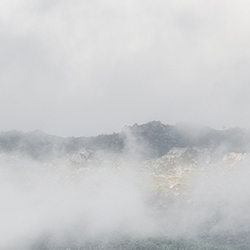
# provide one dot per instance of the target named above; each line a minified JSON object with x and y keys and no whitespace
{"x":150,"y":140}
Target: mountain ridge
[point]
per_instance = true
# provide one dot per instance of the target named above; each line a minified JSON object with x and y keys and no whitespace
{"x":155,"y":138}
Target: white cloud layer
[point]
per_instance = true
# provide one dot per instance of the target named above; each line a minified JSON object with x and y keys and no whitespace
{"x":88,"y":67}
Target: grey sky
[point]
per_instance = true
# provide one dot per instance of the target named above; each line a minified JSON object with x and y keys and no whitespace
{"x":85,"y":67}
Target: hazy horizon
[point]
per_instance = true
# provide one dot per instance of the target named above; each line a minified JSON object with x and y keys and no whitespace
{"x":74,"y":68}
{"x":193,"y":125}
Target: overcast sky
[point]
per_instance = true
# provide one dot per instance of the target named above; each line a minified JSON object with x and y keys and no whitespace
{"x":86,"y":67}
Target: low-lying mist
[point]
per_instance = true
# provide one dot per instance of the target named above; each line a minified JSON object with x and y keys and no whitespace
{"x":64,"y":203}
{"x":61,"y":201}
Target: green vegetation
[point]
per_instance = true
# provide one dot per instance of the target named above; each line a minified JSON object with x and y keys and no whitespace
{"x":137,"y":244}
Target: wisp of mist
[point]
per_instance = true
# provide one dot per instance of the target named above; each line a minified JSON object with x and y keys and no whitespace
{"x":77,"y":204}
{"x":63,"y":201}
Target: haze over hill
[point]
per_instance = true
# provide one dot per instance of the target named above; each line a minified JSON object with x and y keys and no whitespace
{"x":150,"y":140}
{"x":153,"y":186}
{"x":75,"y":69}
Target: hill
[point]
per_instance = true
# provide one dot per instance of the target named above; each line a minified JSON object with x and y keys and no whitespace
{"x":150,"y":140}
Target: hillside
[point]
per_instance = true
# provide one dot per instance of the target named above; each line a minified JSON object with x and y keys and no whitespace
{"x":151,"y":186}
{"x":150,"y":140}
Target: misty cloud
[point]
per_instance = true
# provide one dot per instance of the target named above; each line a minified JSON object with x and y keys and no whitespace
{"x":57,"y":200}
{"x":66,"y":65}
{"x":198,"y":193}
{"x":115,"y":199}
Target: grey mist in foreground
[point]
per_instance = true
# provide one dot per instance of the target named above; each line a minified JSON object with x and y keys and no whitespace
{"x":151,"y":186}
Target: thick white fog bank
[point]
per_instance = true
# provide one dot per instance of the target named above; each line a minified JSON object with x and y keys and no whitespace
{"x":69,"y":203}
{"x":59,"y":200}
{"x":224,"y":197}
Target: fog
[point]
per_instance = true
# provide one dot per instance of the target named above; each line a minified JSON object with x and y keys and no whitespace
{"x":74,"y":68}
{"x":62,"y":203}
{"x":216,"y":202}
{"x":91,"y":67}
